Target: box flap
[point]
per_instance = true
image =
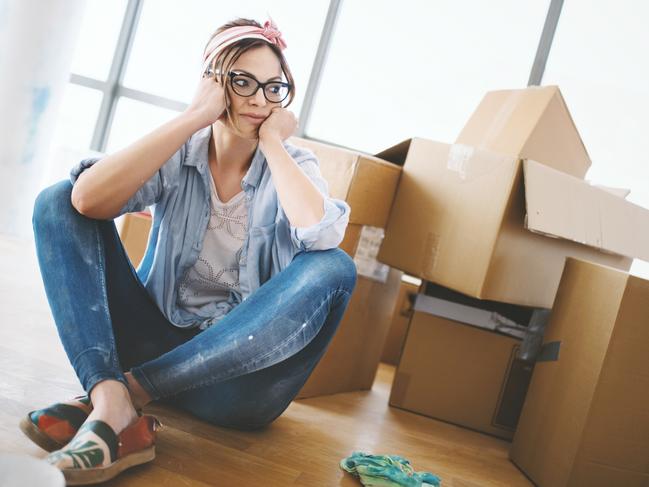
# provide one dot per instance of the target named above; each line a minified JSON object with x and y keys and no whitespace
{"x":529,"y":123}
{"x":619,"y":192}
{"x":560,"y":205}
{"x":470,"y":315}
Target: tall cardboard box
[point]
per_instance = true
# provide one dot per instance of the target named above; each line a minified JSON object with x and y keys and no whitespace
{"x":401,"y":315}
{"x":585,"y":421}
{"x":460,"y":364}
{"x":499,"y":228}
{"x":530,"y":123}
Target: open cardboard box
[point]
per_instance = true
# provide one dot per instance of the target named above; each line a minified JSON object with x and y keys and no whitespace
{"x":496,"y":227}
{"x":460,"y":362}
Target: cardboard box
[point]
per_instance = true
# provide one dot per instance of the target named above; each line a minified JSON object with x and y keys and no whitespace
{"x":401,"y":315}
{"x":133,"y":229}
{"x":461,"y":373}
{"x":352,"y":358}
{"x":367,"y":183}
{"x":495,"y":227}
{"x":586,"y":418}
{"x":531,"y":123}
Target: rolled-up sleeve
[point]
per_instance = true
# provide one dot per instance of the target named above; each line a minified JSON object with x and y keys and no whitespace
{"x":151,"y":191}
{"x":330,"y":230}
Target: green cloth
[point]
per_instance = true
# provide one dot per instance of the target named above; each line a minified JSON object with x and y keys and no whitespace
{"x":386,"y":471}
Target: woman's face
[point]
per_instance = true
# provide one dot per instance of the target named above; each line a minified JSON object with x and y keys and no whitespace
{"x":262,"y":64}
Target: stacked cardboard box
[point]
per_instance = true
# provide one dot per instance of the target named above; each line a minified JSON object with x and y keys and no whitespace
{"x":494,"y":217}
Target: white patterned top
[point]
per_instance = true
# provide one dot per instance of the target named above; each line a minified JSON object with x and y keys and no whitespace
{"x":216,"y":270}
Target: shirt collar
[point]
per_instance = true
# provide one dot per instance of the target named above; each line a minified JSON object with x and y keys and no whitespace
{"x":197,"y":157}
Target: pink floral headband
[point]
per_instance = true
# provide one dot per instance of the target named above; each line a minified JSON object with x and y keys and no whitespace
{"x":229,"y":36}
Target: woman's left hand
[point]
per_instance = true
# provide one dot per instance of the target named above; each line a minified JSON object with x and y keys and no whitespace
{"x":281,"y":123}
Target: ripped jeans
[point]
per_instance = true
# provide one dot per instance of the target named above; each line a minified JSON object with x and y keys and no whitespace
{"x":241,"y":372}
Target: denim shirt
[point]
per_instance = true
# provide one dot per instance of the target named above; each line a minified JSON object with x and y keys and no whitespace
{"x":179,"y":196}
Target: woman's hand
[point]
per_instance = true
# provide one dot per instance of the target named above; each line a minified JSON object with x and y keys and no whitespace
{"x":208,"y":104}
{"x":280,"y":124}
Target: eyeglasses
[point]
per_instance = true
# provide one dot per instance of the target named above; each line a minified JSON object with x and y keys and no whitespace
{"x":245,"y":85}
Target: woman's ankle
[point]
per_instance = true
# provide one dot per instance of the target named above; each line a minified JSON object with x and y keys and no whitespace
{"x":139,"y":397}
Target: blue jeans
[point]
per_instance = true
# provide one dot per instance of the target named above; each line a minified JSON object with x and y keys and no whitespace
{"x":242,"y":372}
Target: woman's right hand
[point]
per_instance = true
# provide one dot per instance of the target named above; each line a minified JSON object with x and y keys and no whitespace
{"x":208,"y":104}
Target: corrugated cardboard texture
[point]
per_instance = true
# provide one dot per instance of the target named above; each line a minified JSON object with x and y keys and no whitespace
{"x":532,"y":123}
{"x":353,"y":355}
{"x":526,"y":267}
{"x":568,"y":207}
{"x":454,"y":372}
{"x":399,"y":324}
{"x":367,"y":183}
{"x":458,"y":220}
{"x":443,"y":225}
{"x":586,"y":416}
{"x":134,"y":231}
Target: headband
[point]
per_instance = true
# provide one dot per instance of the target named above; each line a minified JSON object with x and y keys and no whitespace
{"x":268,"y":33}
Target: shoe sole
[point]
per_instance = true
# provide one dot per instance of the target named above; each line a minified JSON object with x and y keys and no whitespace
{"x":37,"y":436}
{"x":80,"y":476}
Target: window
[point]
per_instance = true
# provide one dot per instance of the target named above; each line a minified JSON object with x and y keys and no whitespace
{"x":166,"y":56}
{"x":397,"y":70}
{"x":98,"y":38}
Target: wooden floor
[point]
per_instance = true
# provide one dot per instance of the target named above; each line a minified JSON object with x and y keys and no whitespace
{"x":302,"y":447}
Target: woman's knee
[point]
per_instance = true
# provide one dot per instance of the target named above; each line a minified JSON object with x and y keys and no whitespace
{"x":52,"y":203}
{"x":333,"y":267}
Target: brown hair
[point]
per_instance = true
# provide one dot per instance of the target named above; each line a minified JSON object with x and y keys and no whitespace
{"x":228,"y":56}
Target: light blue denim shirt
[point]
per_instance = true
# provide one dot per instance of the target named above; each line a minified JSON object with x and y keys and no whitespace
{"x":179,"y":196}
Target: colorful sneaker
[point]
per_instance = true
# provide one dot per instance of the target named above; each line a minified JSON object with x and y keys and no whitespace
{"x":53,"y":427}
{"x":96,"y":454}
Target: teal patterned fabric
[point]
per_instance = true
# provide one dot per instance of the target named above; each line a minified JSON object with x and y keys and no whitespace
{"x":386,"y":471}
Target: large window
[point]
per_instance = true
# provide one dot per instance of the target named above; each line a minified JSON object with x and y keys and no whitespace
{"x":411,"y":68}
{"x":145,"y":58}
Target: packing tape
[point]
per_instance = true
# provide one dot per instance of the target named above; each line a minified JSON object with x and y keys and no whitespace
{"x":459,"y":156}
{"x":500,"y":119}
{"x":549,"y":352}
{"x":429,"y":258}
{"x":470,"y":163}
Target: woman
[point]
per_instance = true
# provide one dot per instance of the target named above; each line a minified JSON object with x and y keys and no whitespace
{"x":242,"y":285}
